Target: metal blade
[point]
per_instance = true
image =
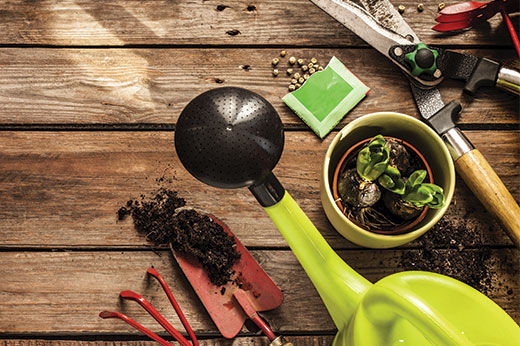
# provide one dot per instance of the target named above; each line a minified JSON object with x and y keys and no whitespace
{"x":375,"y":21}
{"x":386,"y":15}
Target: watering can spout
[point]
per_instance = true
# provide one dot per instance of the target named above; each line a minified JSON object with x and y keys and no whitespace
{"x":339,"y":286}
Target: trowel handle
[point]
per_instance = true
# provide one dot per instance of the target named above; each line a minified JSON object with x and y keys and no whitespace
{"x":482,"y":180}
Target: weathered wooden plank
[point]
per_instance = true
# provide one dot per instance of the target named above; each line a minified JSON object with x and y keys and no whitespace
{"x":62,"y":292}
{"x":62,"y":189}
{"x":318,"y":340}
{"x":123,"y":22}
{"x":133,"y":86}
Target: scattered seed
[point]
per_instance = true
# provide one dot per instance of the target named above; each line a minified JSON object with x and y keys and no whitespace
{"x":296,"y":75}
{"x":314,"y":61}
{"x":282,"y":53}
{"x":311,"y":70}
{"x":233,"y":32}
{"x":441,"y":6}
{"x":289,"y":71}
{"x":401,"y":8}
{"x":301,"y":80}
{"x":297,"y":85}
{"x":306,"y":76}
{"x":420,"y":7}
{"x":300,"y":62}
{"x":275,"y":61}
{"x":294,"y":81}
{"x":311,"y":65}
{"x":292,"y":60}
{"x":305,"y":68}
{"x":275,"y":72}
{"x":320,"y":68}
{"x":292,"y":87}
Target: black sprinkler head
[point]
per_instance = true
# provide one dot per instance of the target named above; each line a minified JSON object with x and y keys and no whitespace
{"x":229,"y":138}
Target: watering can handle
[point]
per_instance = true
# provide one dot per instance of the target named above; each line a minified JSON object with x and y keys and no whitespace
{"x":339,"y":286}
{"x":384,"y":301}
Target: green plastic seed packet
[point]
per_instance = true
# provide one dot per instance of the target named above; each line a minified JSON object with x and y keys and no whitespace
{"x":326,"y":97}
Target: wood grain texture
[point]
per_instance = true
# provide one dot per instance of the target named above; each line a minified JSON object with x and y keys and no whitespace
{"x":136,"y":86}
{"x":63,"y":292}
{"x":123,"y":22}
{"x":321,"y":340}
{"x":482,"y":180}
{"x":62,"y":189}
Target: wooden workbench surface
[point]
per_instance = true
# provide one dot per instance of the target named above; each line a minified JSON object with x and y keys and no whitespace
{"x":90,"y":92}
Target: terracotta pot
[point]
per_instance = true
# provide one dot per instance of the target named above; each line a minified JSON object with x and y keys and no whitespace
{"x":403,"y":228}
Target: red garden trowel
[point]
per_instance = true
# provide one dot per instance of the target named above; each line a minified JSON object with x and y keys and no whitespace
{"x":232,"y":304}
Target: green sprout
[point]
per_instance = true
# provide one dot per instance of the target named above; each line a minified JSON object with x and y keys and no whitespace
{"x":421,"y":194}
{"x":372,"y":160}
{"x":391,"y":180}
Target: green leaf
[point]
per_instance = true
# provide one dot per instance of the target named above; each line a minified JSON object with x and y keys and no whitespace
{"x":391,"y":180}
{"x":417,"y":177}
{"x":388,"y":182}
{"x":373,"y":159}
{"x":419,"y":196}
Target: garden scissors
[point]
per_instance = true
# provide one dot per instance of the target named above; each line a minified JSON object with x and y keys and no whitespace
{"x":379,"y":24}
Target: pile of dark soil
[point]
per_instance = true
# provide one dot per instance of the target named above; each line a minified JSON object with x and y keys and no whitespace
{"x":453,"y":249}
{"x":188,"y":231}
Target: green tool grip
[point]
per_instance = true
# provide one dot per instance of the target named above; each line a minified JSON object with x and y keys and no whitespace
{"x":340,"y":287}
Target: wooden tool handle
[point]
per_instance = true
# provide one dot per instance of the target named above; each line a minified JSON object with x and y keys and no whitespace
{"x":487,"y":186}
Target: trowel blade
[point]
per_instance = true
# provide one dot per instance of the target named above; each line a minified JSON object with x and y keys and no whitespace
{"x":223,"y":308}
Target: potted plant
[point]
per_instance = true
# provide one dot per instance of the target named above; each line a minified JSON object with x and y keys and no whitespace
{"x":385,"y":185}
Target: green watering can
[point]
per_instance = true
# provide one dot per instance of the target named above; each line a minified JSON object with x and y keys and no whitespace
{"x":231,"y":138}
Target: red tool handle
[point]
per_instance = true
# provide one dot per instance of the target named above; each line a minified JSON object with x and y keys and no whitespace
{"x":511,"y":29}
{"x":250,"y":311}
{"x":175,"y":305}
{"x":147,"y":332}
{"x":130,"y":295}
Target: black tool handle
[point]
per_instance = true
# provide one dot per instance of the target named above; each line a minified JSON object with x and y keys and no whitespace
{"x":489,"y":73}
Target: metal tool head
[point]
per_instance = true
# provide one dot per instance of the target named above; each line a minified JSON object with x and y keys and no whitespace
{"x":229,"y":137}
{"x":379,"y":24}
{"x":376,"y":21}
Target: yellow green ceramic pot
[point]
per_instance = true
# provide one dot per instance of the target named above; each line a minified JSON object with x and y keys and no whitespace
{"x":403,"y":127}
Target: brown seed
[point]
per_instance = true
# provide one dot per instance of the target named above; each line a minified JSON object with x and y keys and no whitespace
{"x":296,"y":75}
{"x":289,"y":71}
{"x":292,"y":60}
{"x":292,"y":87}
{"x":301,"y":80}
{"x":420,"y":7}
{"x":282,"y":53}
{"x":305,"y":68}
{"x":275,"y":72}
{"x":401,"y":8}
{"x":314,"y":61}
{"x":300,"y":62}
{"x":294,"y":81}
{"x":441,"y":6}
{"x":275,"y":61}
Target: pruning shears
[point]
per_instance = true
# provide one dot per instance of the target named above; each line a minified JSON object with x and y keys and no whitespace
{"x":379,"y":24}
